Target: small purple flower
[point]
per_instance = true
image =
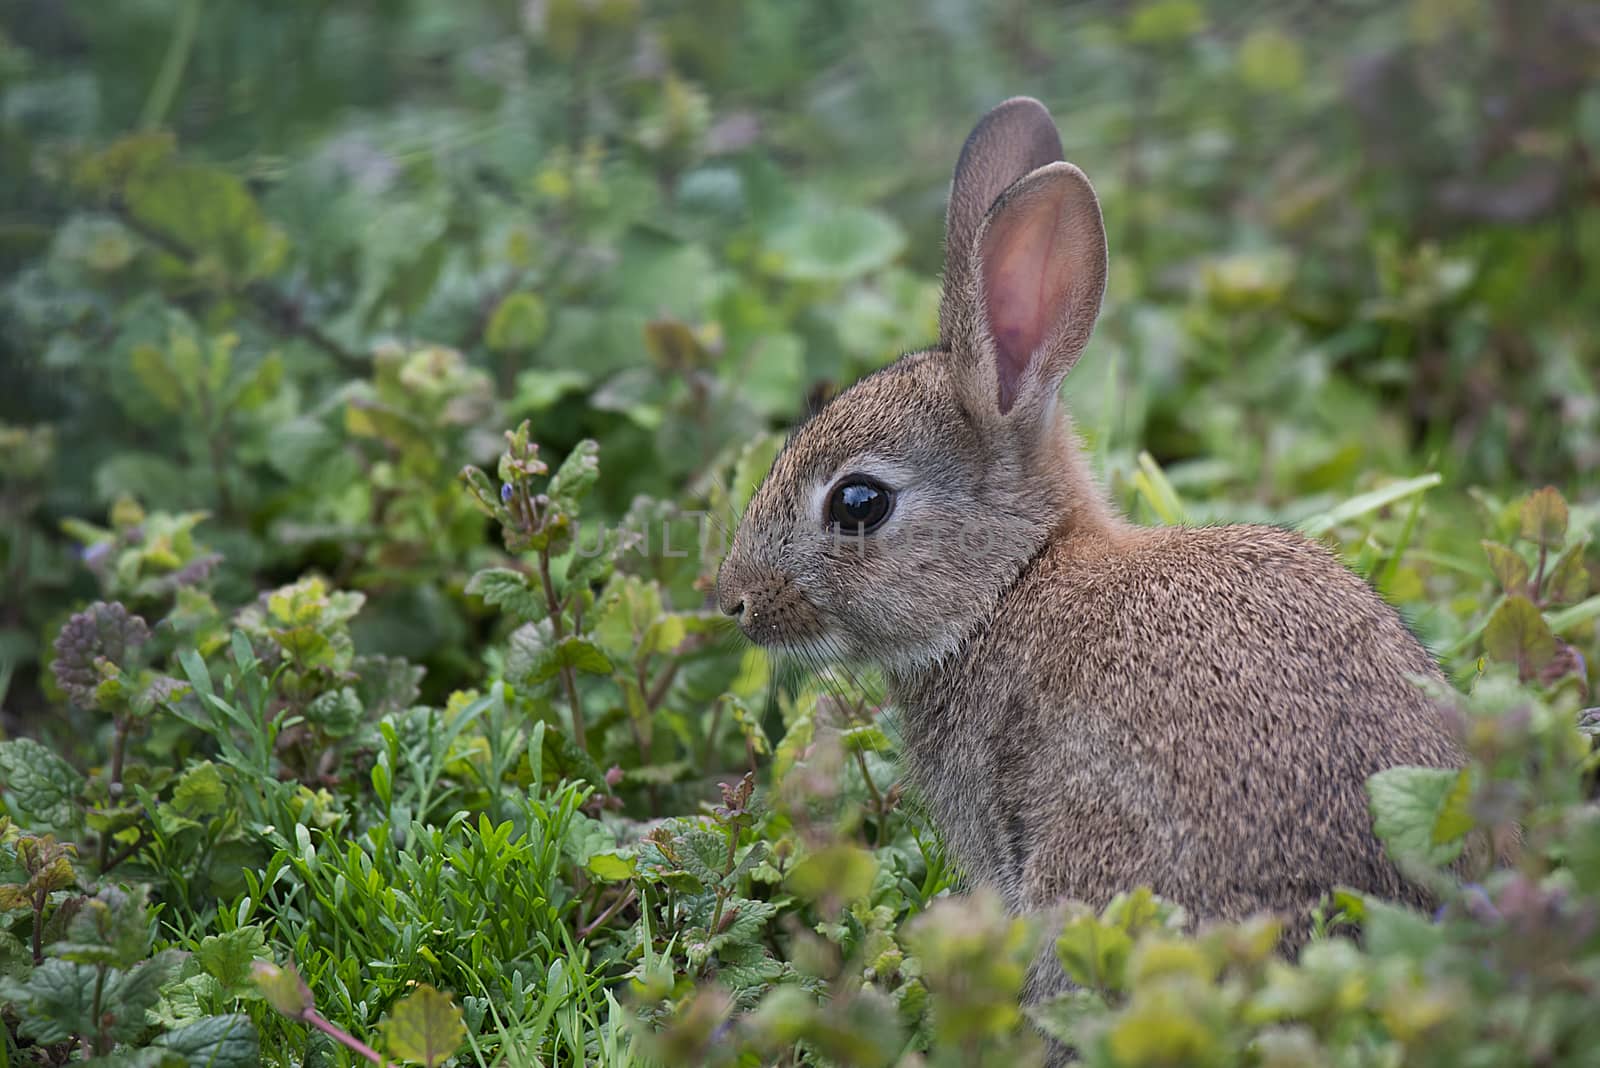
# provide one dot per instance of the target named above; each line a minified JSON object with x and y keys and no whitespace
{"x":505,"y":493}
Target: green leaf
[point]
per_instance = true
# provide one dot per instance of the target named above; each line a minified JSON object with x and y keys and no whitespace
{"x":200,"y":792}
{"x":216,"y":1042}
{"x":583,"y":655}
{"x":41,"y":788}
{"x":425,"y":1028}
{"x":210,"y":212}
{"x":518,"y":324}
{"x":56,"y":1002}
{"x":577,"y":474}
{"x":1270,"y":61}
{"x":1568,"y":580}
{"x":149,"y":365}
{"x":537,"y":389}
{"x":113,"y":927}
{"x":129,"y":995}
{"x":1094,"y":954}
{"x":336,"y":712}
{"x":774,"y":382}
{"x":230,"y":958}
{"x":508,"y":590}
{"x":833,"y":242}
{"x":1510,"y":570}
{"x":612,"y":867}
{"x":1417,"y":812}
{"x":1318,"y":525}
{"x":841,"y":870}
{"x":1517,"y":634}
{"x":1062,"y":1016}
{"x":1165,"y":21}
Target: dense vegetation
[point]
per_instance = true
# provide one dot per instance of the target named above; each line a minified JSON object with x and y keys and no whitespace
{"x":310,"y":719}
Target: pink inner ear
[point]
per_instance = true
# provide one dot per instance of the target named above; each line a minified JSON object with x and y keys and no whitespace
{"x":1027,"y":277}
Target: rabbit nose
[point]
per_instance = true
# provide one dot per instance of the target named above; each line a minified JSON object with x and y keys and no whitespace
{"x":730,"y":601}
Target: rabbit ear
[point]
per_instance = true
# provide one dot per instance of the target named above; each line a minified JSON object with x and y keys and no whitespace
{"x":1040,"y":271}
{"x":1012,"y":140}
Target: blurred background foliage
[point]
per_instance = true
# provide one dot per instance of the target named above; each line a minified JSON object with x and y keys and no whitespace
{"x":271,"y":273}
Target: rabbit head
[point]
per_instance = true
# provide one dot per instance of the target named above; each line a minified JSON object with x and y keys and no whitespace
{"x":894,"y":519}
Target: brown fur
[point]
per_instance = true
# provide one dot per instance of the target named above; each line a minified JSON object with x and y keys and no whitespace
{"x":1087,"y":705}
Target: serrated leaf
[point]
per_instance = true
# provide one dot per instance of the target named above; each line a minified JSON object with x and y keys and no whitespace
{"x":200,"y":792}
{"x":1510,"y":570}
{"x":1544,"y":518}
{"x":577,"y":474}
{"x":562,"y":759}
{"x":1094,"y":954}
{"x":56,"y":1002}
{"x":867,"y":737}
{"x":336,"y":712}
{"x":215,"y":1042}
{"x":1062,"y":1016}
{"x":128,"y":995}
{"x":230,"y":958}
{"x":510,"y":591}
{"x":42,"y":788}
{"x":113,"y":927}
{"x":583,"y":655}
{"x":425,"y":1028}
{"x":1413,"y":810}
{"x":1517,"y":634}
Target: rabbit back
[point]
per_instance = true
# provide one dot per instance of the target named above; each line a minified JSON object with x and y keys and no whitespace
{"x":1193,"y":709}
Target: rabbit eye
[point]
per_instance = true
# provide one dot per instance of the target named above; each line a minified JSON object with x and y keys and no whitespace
{"x":859,"y":505}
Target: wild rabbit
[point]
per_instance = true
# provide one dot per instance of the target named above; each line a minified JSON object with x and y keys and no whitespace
{"x":1087,"y":705}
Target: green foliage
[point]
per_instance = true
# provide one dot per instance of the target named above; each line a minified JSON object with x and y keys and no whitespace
{"x":284,"y":689}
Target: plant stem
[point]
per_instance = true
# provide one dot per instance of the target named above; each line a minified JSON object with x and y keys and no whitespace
{"x":102,"y":1043}
{"x":722,"y":889}
{"x":39,"y":902}
{"x":124,"y":853}
{"x":877,"y":797}
{"x":344,"y":1038}
{"x":119,"y":747}
{"x":611,"y":910}
{"x":568,"y":682}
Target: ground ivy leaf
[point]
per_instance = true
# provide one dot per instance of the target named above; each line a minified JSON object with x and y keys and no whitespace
{"x":42,"y":787}
{"x":425,"y":1028}
{"x":216,"y":1042}
{"x":1407,"y":804}
{"x":509,"y":591}
{"x":583,"y":654}
{"x":56,"y":1002}
{"x":130,"y":994}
